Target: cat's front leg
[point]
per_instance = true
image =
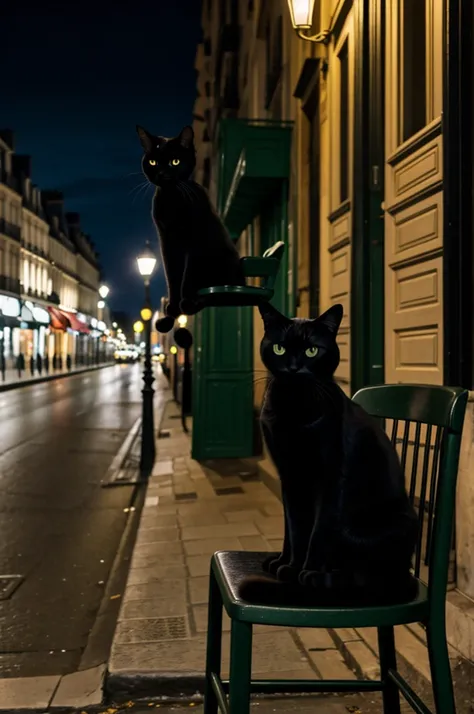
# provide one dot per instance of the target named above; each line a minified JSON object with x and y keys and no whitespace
{"x":299,"y":510}
{"x":272,"y":564}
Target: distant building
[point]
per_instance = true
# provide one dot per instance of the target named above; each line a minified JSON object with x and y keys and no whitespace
{"x":49,"y":274}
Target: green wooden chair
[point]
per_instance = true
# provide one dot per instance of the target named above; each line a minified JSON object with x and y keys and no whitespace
{"x":432,"y":486}
{"x":265,"y":267}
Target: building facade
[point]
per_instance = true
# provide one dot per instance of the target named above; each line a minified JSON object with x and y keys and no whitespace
{"x":372,"y":196}
{"x":49,"y":276}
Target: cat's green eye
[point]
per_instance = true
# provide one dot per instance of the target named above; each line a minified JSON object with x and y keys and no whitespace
{"x":152,"y":162}
{"x":279,"y":350}
{"x":311,"y":352}
{"x":174,"y":162}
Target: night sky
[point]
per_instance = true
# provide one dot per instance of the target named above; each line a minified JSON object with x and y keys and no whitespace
{"x":75,"y":80}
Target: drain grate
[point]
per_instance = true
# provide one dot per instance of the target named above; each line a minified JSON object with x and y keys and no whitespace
{"x":229,"y":490}
{"x":153,"y":629}
{"x":8,"y":585}
{"x":191,"y":496}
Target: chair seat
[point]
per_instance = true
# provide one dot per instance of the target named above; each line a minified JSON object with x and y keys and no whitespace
{"x":234,"y":295}
{"x":231,"y":567}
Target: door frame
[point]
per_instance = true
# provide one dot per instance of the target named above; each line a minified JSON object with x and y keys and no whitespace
{"x":312,"y":111}
{"x":367,"y":284}
{"x":458,"y":208}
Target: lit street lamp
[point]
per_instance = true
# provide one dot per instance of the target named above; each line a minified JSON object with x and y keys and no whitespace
{"x":146,"y":262}
{"x":104,"y":291}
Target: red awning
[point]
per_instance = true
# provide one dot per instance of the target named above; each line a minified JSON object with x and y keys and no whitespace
{"x":59,"y":321}
{"x":77,"y":324}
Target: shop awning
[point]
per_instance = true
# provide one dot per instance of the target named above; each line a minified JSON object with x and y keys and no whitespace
{"x":77,"y":324}
{"x":254,"y":160}
{"x":59,"y":321}
{"x":62,"y":319}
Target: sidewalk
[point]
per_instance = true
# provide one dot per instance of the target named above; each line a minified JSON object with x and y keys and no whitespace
{"x":192,"y":510}
{"x":12,"y":380}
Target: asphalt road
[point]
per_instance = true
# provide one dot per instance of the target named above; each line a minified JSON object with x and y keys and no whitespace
{"x":59,"y":528}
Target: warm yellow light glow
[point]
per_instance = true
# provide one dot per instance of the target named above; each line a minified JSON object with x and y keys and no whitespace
{"x":161,"y":357}
{"x":182,"y":320}
{"x":301,"y":12}
{"x":138,"y":326}
{"x":146,"y":314}
{"x":146,"y":262}
{"x":173,"y":349}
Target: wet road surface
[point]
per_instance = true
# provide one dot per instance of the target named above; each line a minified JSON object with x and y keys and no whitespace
{"x":59,"y":528}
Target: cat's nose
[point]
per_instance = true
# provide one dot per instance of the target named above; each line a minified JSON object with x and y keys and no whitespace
{"x":293,"y":368}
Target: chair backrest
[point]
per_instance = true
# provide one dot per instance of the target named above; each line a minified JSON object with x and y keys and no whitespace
{"x":267,"y":266}
{"x":426,"y":428}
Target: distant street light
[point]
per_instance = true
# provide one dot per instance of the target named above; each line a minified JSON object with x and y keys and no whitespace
{"x":146,"y":262}
{"x":104,"y":291}
{"x":138,"y":326}
{"x":101,"y":304}
{"x":182,"y":320}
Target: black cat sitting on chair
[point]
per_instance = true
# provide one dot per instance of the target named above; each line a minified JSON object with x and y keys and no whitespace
{"x":350,"y":529}
{"x":196,"y":248}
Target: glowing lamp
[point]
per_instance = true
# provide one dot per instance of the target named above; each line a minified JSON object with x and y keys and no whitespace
{"x":146,"y":314}
{"x":182,"y":320}
{"x":138,"y":326}
{"x":146,"y":262}
{"x":104,"y":291}
{"x":173,"y":349}
{"x":101,"y":304}
{"x":301,"y":13}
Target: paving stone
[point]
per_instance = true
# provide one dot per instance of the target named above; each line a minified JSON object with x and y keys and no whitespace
{"x":330,"y":665}
{"x":209,"y":546}
{"x":201,"y":519}
{"x":276,"y":544}
{"x":27,"y":693}
{"x":138,"y":576}
{"x":273,"y":509}
{"x":158,"y":549}
{"x":230,"y":529}
{"x":200,"y":619}
{"x":198,"y":565}
{"x":158,"y":589}
{"x":238,"y":516}
{"x":199,"y":590}
{"x":156,"y":607}
{"x":314,"y":638}
{"x":158,"y":520}
{"x":271,"y":526}
{"x":156,"y":535}
{"x":165,"y":657}
{"x":161,"y":468}
{"x":257,"y":543}
{"x":274,"y":652}
{"x":80,"y":689}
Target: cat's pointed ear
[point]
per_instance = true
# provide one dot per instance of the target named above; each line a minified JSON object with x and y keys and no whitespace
{"x":147,"y":140}
{"x":186,"y":138}
{"x":271,"y":317}
{"x":331,"y":319}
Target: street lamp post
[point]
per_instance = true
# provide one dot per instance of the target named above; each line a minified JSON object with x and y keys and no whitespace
{"x":146,"y":265}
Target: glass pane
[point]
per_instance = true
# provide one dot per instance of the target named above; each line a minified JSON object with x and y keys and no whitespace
{"x":413,"y":66}
{"x":344,"y":123}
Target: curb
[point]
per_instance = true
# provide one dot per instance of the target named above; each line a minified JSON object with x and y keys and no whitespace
{"x":51,"y":377}
{"x":123,"y":686}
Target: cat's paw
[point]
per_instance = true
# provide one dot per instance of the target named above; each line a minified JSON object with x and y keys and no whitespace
{"x":287,"y":574}
{"x":272,"y":563}
{"x":312,"y":578}
{"x":164,"y":324}
{"x":188,"y":307}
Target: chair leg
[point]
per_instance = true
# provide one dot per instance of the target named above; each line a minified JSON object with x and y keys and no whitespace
{"x":441,"y":677}
{"x":388,"y":660}
{"x":240,"y":667}
{"x":214,"y":644}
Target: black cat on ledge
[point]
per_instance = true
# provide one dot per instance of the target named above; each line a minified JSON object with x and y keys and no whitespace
{"x":196,"y":248}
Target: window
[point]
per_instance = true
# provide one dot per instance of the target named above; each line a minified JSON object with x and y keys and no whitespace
{"x":413,"y":67}
{"x":344,"y":123}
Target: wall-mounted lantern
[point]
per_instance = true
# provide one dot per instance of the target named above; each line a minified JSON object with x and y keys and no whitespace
{"x":301,"y":13}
